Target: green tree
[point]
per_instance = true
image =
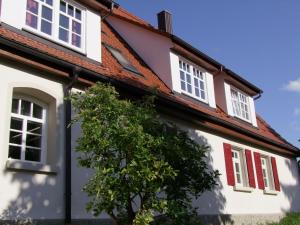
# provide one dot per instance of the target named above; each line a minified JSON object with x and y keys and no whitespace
{"x":145,"y":170}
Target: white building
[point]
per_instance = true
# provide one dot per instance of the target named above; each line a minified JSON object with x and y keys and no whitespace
{"x":51,"y":47}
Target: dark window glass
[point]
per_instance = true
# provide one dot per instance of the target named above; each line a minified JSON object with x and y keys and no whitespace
{"x":49,"y":2}
{"x":46,"y":27}
{"x":76,"y":27}
{"x":33,"y":155}
{"x":15,"y":106}
{"x":37,"y":111}
{"x":33,"y":141}
{"x":25,"y":108}
{"x":63,"y":6}
{"x":34,"y":127}
{"x":78,"y":14}
{"x":14,"y":152}
{"x":32,"y":6}
{"x":63,"y":35}
{"x":47,"y":13}
{"x":71,"y":10}
{"x":76,"y":40}
{"x":15,"y":138}
{"x":16,"y":124}
{"x":64,"y":21}
{"x":31,"y":20}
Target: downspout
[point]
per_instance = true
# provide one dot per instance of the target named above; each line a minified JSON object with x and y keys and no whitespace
{"x":68,"y":148}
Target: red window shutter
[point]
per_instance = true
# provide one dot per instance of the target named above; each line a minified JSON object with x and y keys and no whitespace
{"x":275,"y":174}
{"x":259,"y":173}
{"x":229,"y":164}
{"x":250,"y":168}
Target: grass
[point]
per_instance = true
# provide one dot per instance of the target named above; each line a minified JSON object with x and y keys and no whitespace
{"x":290,"y":219}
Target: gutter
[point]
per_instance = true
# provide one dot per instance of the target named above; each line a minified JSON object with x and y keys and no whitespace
{"x":93,"y":76}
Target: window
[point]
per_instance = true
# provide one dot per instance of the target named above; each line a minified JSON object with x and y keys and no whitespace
{"x":39,"y":15}
{"x":122,"y":60}
{"x":27,"y":130}
{"x":239,"y":167}
{"x":192,"y":81}
{"x":266,"y":172}
{"x":58,"y":20}
{"x":70,"y":24}
{"x":240,"y":105}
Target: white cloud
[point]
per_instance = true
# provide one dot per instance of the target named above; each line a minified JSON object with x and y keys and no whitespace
{"x":293,"y":85}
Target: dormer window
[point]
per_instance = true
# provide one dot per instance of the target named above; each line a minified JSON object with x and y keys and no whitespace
{"x":240,"y":105}
{"x":192,"y":81}
{"x":58,"y":20}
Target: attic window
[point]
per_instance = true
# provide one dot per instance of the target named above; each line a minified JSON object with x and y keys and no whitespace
{"x":122,"y":60}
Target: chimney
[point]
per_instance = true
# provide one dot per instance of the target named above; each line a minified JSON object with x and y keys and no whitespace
{"x":164,"y":19}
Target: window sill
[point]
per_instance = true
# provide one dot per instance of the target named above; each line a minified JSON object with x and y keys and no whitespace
{"x":243,"y":189}
{"x":17,"y":165}
{"x":270,"y":192}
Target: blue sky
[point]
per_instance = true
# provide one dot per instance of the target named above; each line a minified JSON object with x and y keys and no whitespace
{"x":260,"y":40}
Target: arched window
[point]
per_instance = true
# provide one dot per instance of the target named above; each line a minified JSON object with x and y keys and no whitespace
{"x":27,"y":138}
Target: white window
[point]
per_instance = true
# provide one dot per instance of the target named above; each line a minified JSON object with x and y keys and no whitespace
{"x":59,"y":20}
{"x":267,"y":174}
{"x":239,"y":167}
{"x":192,"y":81}
{"x":27,"y":136}
{"x":240,"y":105}
{"x":39,"y":15}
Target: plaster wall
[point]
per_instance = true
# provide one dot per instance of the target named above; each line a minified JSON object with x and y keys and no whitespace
{"x":31,"y":194}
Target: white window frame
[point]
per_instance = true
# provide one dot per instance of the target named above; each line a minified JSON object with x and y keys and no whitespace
{"x":55,"y":26}
{"x":195,"y":73}
{"x":267,"y":173}
{"x":24,"y":118}
{"x":240,"y":162}
{"x":240,"y":104}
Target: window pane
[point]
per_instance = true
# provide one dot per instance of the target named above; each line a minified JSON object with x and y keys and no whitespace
{"x":33,"y":141}
{"x":76,"y":40}
{"x":76,"y":27}
{"x":16,"y":124}
{"x":71,"y":10}
{"x":46,"y":27}
{"x":182,"y":85}
{"x":47,"y":13}
{"x":78,"y":14}
{"x":49,"y":2}
{"x":182,"y":76}
{"x":64,"y":21}
{"x":33,"y":155}
{"x":32,"y":6}
{"x":31,"y":20}
{"x":37,"y":111}
{"x":63,"y":35}
{"x":14,"y":152}
{"x":197,"y":92}
{"x":33,"y":127}
{"x":188,"y":78}
{"x":15,"y":138}
{"x":203,"y":96}
{"x":63,"y":6}
{"x":189,"y":88}
{"x":15,"y":106}
{"x":25,"y":108}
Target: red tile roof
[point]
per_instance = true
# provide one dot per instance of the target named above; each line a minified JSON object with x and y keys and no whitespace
{"x":111,"y":68}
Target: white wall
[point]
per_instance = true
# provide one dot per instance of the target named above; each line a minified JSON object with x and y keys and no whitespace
{"x":225,"y":200}
{"x":153,"y":48}
{"x":30,"y":194}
